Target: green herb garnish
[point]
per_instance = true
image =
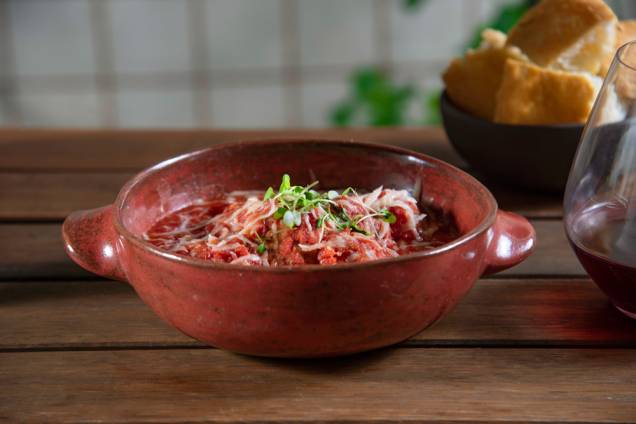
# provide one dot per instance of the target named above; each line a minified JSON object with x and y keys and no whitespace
{"x":292,"y":201}
{"x":388,"y":216}
{"x":280,"y":212}
{"x":261,"y":248}
{"x":285,"y":184}
{"x":348,"y":190}
{"x":269,"y":194}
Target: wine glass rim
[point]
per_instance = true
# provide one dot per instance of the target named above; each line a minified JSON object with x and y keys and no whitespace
{"x":619,"y":55}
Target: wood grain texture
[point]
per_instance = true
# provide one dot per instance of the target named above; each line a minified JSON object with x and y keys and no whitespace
{"x":76,"y":169}
{"x":528,"y":204}
{"x":552,"y":256}
{"x":206,"y":385}
{"x":511,"y":312}
{"x":107,"y":150}
{"x":36,"y":252}
{"x":537,"y":343}
{"x":53,"y":195}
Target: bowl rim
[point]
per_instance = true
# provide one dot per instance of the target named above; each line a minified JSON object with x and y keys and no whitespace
{"x":447,"y":103}
{"x":121,"y":229}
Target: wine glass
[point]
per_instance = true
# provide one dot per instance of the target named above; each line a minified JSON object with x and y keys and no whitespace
{"x":600,"y":198}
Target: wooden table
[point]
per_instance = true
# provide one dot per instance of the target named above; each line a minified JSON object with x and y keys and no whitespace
{"x":536,"y":343}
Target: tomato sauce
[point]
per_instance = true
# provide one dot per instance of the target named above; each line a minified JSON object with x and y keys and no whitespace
{"x":243,"y":228}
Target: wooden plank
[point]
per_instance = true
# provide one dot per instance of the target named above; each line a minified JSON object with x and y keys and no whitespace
{"x":53,"y":195}
{"x":511,"y":312}
{"x":534,"y":312}
{"x":36,"y":252}
{"x":109,"y":150}
{"x":79,"y":314}
{"x":527,"y":203}
{"x":553,"y":255}
{"x":203,"y":385}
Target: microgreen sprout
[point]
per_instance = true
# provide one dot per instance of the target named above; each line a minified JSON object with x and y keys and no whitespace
{"x":285,"y":183}
{"x":388,"y":216}
{"x":291,"y":218}
{"x":345,"y":221}
{"x":321,"y":221}
{"x":280,"y":212}
{"x":262,"y":247}
{"x":269,"y":194}
{"x":293,"y":201}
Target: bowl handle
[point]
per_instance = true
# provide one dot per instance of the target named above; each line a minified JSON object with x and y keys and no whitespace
{"x":90,"y":240}
{"x":512,"y":240}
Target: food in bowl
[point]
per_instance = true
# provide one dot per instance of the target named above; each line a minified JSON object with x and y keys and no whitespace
{"x":299,"y":225}
{"x":547,"y":70}
{"x":303,"y":310}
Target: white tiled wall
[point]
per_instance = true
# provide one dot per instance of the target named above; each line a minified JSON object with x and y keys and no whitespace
{"x":244,"y":34}
{"x":336,"y":32}
{"x":51,"y":37}
{"x":320,"y":97}
{"x":155,"y":108}
{"x":150,"y":36}
{"x":434,"y":33}
{"x":3,"y":115}
{"x":248,"y":105}
{"x":224,"y":63}
{"x":68,"y":109}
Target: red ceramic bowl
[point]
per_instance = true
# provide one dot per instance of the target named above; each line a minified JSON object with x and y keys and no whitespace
{"x":309,"y":310}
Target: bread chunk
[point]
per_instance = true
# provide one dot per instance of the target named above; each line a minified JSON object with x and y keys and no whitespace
{"x":492,"y":38}
{"x":573,"y":35}
{"x":533,"y":95}
{"x":472,"y":81}
{"x":625,"y":32}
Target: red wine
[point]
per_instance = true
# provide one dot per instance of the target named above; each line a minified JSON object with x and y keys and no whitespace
{"x":604,"y":239}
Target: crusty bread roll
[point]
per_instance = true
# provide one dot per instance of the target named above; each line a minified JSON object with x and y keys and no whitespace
{"x":625,"y":32}
{"x":533,"y":95}
{"x":624,"y":79}
{"x":491,"y":38}
{"x":575,"y":35}
{"x":472,"y":81}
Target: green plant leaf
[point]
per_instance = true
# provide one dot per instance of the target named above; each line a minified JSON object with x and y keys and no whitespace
{"x":366,"y":81}
{"x":342,"y":115}
{"x":431,"y":106}
{"x":410,"y":5}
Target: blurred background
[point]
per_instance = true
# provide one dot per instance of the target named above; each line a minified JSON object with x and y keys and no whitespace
{"x":236,"y":63}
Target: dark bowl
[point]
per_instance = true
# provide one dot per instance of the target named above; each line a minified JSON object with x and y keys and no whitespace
{"x":308,"y":310}
{"x":535,"y":157}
